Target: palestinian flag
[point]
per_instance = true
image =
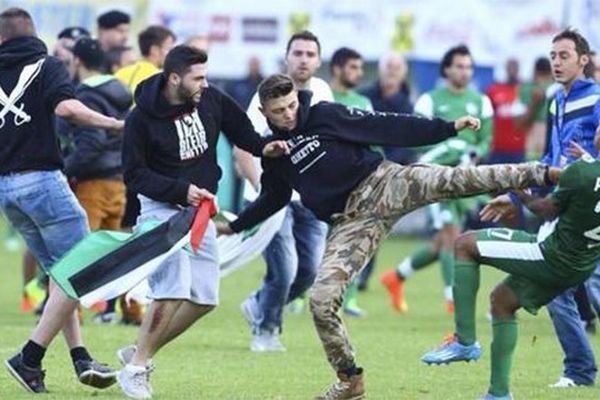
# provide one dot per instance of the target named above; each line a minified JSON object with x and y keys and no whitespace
{"x":106,"y":264}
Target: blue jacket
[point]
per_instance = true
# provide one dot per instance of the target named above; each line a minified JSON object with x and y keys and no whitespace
{"x":575,"y":117}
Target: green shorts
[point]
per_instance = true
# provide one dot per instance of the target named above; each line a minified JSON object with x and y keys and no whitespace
{"x":454,"y":212}
{"x":535,"y":281}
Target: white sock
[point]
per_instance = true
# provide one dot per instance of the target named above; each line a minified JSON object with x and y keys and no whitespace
{"x":448,"y":293}
{"x":405,"y":268}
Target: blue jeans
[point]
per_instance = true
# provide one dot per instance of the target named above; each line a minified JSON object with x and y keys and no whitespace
{"x":292,"y":259}
{"x":579,"y":361}
{"x":41,"y":206}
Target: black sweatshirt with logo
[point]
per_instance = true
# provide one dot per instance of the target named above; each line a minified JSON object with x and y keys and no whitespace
{"x":32,"y":85}
{"x":168,"y":147}
{"x":330,"y":156}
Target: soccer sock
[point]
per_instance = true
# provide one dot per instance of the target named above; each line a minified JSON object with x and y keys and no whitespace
{"x":447,"y":264}
{"x":80,"y":353}
{"x":418,"y":260}
{"x":448,"y":293}
{"x":504,"y":341}
{"x":466,"y":285}
{"x":33,"y":354}
{"x":351,"y":293}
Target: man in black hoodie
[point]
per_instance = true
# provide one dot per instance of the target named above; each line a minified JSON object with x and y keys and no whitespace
{"x":95,"y":161}
{"x":169,"y":155}
{"x":361,"y":196}
{"x":34,"y":194}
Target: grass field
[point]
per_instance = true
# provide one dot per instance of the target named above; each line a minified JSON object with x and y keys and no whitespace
{"x":213,"y":361}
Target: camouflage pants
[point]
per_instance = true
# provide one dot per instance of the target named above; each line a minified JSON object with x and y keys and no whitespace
{"x":390,"y":192}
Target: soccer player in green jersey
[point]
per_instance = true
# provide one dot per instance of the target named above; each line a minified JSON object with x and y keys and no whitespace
{"x":346,"y":72}
{"x":539,"y":268}
{"x":450,"y":101}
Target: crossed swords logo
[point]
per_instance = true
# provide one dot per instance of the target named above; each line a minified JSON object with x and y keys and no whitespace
{"x":9,"y":102}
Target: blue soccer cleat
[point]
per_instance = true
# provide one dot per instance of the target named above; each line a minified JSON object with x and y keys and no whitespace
{"x":451,"y":351}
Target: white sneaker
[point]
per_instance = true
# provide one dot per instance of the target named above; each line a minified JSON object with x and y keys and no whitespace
{"x":266,"y":341}
{"x":563,"y":382}
{"x":135,"y":382}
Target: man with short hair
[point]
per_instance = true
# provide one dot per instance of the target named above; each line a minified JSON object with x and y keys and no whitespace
{"x":295,"y":251}
{"x":362,"y":196}
{"x":154,"y":43}
{"x":34,"y":194}
{"x":346,"y":72}
{"x":113,"y":29}
{"x":454,"y":99}
{"x":169,"y":155}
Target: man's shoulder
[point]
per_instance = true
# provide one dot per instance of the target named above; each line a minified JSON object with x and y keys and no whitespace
{"x":321,"y":90}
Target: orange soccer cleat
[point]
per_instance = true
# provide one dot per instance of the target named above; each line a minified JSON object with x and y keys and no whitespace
{"x":395,"y":287}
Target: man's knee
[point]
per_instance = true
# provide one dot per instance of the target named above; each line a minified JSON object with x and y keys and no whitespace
{"x":503,"y":302}
{"x":465,"y":246}
{"x":324,"y":301}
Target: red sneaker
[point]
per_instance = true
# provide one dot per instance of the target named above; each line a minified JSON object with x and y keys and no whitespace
{"x":395,"y":287}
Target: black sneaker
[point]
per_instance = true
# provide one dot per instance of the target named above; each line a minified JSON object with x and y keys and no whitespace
{"x":32,"y":379}
{"x":92,"y":373}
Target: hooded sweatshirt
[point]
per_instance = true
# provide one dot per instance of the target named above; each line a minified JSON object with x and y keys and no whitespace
{"x":32,"y":85}
{"x":97,"y":152}
{"x":330,"y":156}
{"x":168,"y":147}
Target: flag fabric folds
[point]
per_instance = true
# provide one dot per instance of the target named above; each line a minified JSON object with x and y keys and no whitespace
{"x":106,"y":264}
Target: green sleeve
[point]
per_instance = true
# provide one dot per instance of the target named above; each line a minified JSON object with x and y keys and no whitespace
{"x":567,"y":186}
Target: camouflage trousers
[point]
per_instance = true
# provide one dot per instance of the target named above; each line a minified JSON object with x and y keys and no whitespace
{"x":390,"y":192}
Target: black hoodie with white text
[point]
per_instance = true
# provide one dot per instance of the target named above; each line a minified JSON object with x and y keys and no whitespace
{"x":330,"y":156}
{"x":168,"y":147}
{"x":32,"y":84}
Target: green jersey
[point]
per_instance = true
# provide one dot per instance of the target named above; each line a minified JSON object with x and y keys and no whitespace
{"x":450,"y":105}
{"x":574,"y":245}
{"x":525,"y":94}
{"x":353,"y":99}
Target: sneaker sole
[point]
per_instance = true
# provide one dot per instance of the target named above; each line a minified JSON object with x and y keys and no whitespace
{"x":97,"y":379}
{"x":17,"y":377}
{"x":449,"y":361}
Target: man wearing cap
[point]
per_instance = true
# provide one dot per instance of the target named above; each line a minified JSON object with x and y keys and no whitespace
{"x":34,"y":194}
{"x":63,"y":49}
{"x":95,"y":162}
{"x":113,"y":29}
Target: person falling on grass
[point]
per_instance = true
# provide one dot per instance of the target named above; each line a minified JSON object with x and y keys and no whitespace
{"x":361,"y":196}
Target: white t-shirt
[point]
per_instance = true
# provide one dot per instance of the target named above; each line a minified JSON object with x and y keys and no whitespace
{"x":321,"y":92}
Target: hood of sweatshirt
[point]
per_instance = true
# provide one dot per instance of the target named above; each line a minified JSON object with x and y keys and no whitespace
{"x":150,"y":99}
{"x":21,"y":51}
{"x":110,"y":89}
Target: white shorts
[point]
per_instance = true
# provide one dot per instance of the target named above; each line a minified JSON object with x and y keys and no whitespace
{"x":187,"y":276}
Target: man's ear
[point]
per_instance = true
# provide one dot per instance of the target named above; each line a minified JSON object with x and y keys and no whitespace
{"x":262,"y":111}
{"x":174,"y":79}
{"x":585,"y":59}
